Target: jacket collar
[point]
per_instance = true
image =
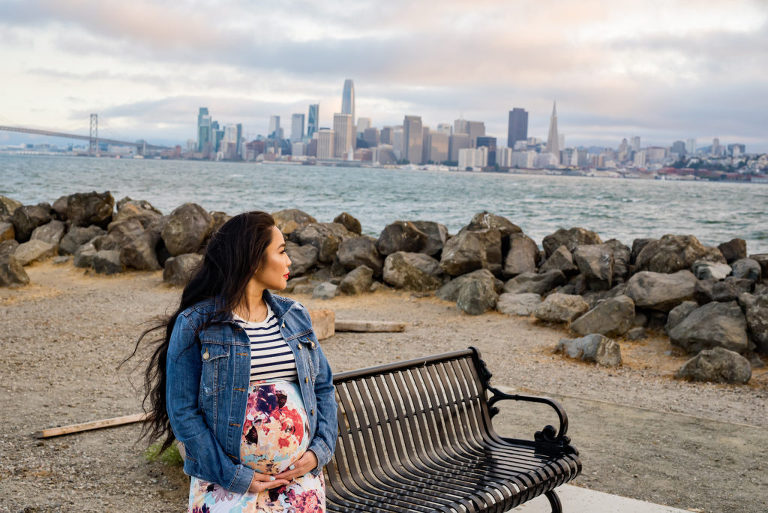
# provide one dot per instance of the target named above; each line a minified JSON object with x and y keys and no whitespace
{"x":279,"y":305}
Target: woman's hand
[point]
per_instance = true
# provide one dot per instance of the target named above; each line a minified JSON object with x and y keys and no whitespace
{"x":305,"y":464}
{"x":261,"y":482}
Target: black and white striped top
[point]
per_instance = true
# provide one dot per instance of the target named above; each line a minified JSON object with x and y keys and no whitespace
{"x":271,"y":357}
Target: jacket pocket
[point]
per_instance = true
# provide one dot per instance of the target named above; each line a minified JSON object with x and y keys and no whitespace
{"x":214,"y":357}
{"x":311,"y":355}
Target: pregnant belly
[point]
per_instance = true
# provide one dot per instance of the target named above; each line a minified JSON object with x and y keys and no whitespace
{"x":276,"y":427}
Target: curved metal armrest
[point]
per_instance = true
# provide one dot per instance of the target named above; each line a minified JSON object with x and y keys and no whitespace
{"x":498,"y":395}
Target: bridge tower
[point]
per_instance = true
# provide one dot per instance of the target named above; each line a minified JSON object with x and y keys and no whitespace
{"x":93,"y":148}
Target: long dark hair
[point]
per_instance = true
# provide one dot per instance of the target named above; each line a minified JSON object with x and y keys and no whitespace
{"x":232,"y":256}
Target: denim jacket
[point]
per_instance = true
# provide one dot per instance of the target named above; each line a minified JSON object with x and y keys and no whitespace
{"x":208,"y":372}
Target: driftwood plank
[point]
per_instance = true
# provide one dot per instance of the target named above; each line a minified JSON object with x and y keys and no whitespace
{"x":87,"y":426}
{"x":370,"y":326}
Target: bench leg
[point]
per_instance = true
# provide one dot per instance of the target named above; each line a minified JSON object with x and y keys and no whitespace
{"x":554,"y":502}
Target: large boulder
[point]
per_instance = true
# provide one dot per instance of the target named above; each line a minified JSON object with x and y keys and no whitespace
{"x":34,"y":251}
{"x":757,"y":319}
{"x":28,"y":217}
{"x":540,"y":283}
{"x":747,"y":269}
{"x":139,"y":252}
{"x":326,"y":237}
{"x":413,"y":271}
{"x":595,"y":261}
{"x":522,"y":255}
{"x":186,"y":229}
{"x":485,"y":220}
{"x":87,"y":208}
{"x":570,"y":238}
{"x":673,"y":253}
{"x":660,"y":291}
{"x":592,"y":348}
{"x":717,"y":365}
{"x":762,"y":259}
{"x":612,"y":317}
{"x":51,"y":233}
{"x":107,"y":262}
{"x":450,"y":291}
{"x":219,"y":219}
{"x":139,"y":209}
{"x":77,"y":236}
{"x":637,"y":247}
{"x":560,"y":260}
{"x":401,"y":236}
{"x":291,"y":220}
{"x":7,"y":231}
{"x":733,"y":250}
{"x":303,"y":258}
{"x":357,"y":281}
{"x":470,"y":250}
{"x":12,"y":273}
{"x":621,"y":259}
{"x":712,"y":325}
{"x":436,"y":234}
{"x":8,"y":206}
{"x":560,"y":308}
{"x":730,"y":289}
{"x":705,"y":270}
{"x":325,"y":290}
{"x":477,"y":297}
{"x":179,"y":270}
{"x":356,"y":251}
{"x":349,"y":222}
{"x":83,"y":256}
{"x":518,"y":304}
{"x":679,"y":313}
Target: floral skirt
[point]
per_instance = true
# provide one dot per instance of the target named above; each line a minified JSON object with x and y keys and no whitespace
{"x":275,"y":435}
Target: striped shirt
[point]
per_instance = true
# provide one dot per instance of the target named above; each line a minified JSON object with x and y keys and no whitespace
{"x":271,"y":357}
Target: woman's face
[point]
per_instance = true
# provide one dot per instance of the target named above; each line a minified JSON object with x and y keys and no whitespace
{"x":273,"y":273}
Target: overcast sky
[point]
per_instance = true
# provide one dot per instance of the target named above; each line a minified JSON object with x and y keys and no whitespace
{"x":664,"y":70}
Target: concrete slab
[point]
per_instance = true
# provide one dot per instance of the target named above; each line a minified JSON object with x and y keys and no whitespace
{"x":577,"y":499}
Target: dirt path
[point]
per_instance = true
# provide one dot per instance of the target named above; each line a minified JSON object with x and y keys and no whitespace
{"x":641,"y":433}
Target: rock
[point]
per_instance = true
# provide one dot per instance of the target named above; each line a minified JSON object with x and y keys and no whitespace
{"x":8,"y":206}
{"x":412,"y":271}
{"x":621,"y":260}
{"x":59,"y":208}
{"x":570,"y":238}
{"x":28,"y":217}
{"x":357,"y":281}
{"x":477,"y":297}
{"x":77,"y":236}
{"x":63,"y":259}
{"x":138,"y":209}
{"x":748,"y":269}
{"x":560,"y":308}
{"x":535,"y":283}
{"x":87,"y":208}
{"x":326,"y":237}
{"x":7,"y":231}
{"x":637,"y":247}
{"x":437,"y":235}
{"x":641,"y":319}
{"x":187,"y":228}
{"x":139,"y":252}
{"x":34,"y":251}
{"x":730,"y":289}
{"x":518,"y":304}
{"x":592,"y":348}
{"x":50,"y":232}
{"x":83,"y":256}
{"x":762,"y":259}
{"x":179,"y":270}
{"x":107,"y":262}
{"x":376,"y":286}
{"x":401,"y":236}
{"x":356,"y":251}
{"x":303,"y":258}
{"x":560,"y":260}
{"x":596,"y":296}
{"x":325,"y":290}
{"x":484,"y":220}
{"x":349,"y":222}
{"x":613,"y":317}
{"x":678,"y":313}
{"x":703,"y":291}
{"x":704,"y":270}
{"x":717,"y":365}
{"x":595,"y":262}
{"x":712,"y":325}
{"x":470,"y":250}
{"x":733,"y":250}
{"x":660,"y":291}
{"x":291,"y":220}
{"x":450,"y":291}
{"x":522,"y":255}
{"x":12,"y":273}
{"x":636,"y":333}
{"x":120,"y":234}
{"x":219,"y":219}
{"x":323,"y":322}
{"x":756,"y":308}
{"x":673,"y":253}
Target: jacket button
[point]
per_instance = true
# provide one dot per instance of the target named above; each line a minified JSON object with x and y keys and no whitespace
{"x":306,"y":379}
{"x":299,"y":347}
{"x":283,"y":325}
{"x":206,"y":355}
{"x":312,"y":411}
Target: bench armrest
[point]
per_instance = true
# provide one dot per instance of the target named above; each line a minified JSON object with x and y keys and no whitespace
{"x":548,"y":433}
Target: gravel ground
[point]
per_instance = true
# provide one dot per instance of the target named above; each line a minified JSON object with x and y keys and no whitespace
{"x":641,"y":433}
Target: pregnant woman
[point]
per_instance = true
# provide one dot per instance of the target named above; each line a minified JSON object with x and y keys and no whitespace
{"x":241,"y":382}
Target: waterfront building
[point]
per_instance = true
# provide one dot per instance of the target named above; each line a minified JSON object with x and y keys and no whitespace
{"x":325,"y":143}
{"x":473,"y":158}
{"x":438,"y":147}
{"x":476,"y":129}
{"x":678,"y":148}
{"x":413,"y":139}
{"x":313,"y":120}
{"x":517,"y":129}
{"x":623,"y":152}
{"x":371,"y":136}
{"x":344,"y":142}
{"x":218,"y":136}
{"x":297,"y":127}
{"x":504,"y":157}
{"x":204,"y":135}
{"x":311,"y":149}
{"x":274,"y":127}
{"x":490,"y":143}
{"x":636,"y":143}
{"x":655,"y":154}
{"x":524,"y":159}
{"x":553,"y":139}
{"x":736,"y":149}
{"x":460,"y":126}
{"x":362,"y":124}
{"x":398,"y":142}
{"x":444,"y":128}
{"x":298,"y":148}
{"x":384,"y":154}
{"x":640,"y":160}
{"x":716,"y":150}
{"x":690,"y":146}
{"x":425,"y":144}
{"x":546,"y":160}
{"x":348,"y":99}
{"x":456,"y":142}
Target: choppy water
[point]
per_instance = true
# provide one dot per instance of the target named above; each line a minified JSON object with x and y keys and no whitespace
{"x":615,"y":208}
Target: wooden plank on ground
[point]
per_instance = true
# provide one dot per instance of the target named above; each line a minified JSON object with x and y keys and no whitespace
{"x":370,"y":326}
{"x":87,"y":426}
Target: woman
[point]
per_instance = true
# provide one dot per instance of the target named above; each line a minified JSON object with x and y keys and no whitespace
{"x":240,"y":380}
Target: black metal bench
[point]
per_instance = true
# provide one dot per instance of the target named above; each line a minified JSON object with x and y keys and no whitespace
{"x":417,"y":436}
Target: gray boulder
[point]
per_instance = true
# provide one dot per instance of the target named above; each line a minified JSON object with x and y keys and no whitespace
{"x":59,"y":208}
{"x":522,"y":255}
{"x":636,"y":333}
{"x":219,"y":219}
{"x":660,"y":291}
{"x":349,"y":222}
{"x":558,"y":307}
{"x":592,"y":348}
{"x":484,"y":220}
{"x":303,"y":258}
{"x":717,"y":365}
{"x":637,"y":247}
{"x":412,"y":271}
{"x":34,"y":251}
{"x":139,"y":251}
{"x":470,"y":250}
{"x":612,"y":317}
{"x":291,"y":220}
{"x":87,"y":208}
{"x":570,"y":238}
{"x":8,"y":206}
{"x":730,"y":289}
{"x":762,"y":259}
{"x":28,"y":217}
{"x":139,"y":209}
{"x":450,"y":291}
{"x":678,"y":313}
{"x":107,"y":262}
{"x":77,"y":236}
{"x":560,"y":260}
{"x":7,"y":231}
{"x":357,"y":281}
{"x":401,"y":236}
{"x":712,"y":325}
{"x":356,"y":251}
{"x":477,"y":297}
{"x":536,"y":283}
{"x":595,"y":262}
{"x":50,"y":232}
{"x":518,"y":304}
{"x":325,"y":290}
{"x":747,"y":269}
{"x":326,"y":237}
{"x":673,"y":253}
{"x":733,"y":250}
{"x":436,"y":234}
{"x":757,"y":319}
{"x":704,"y":270}
{"x":621,"y":260}
{"x":12,"y":273}
{"x":186,"y":229}
{"x":83,"y":256}
{"x":179,"y":270}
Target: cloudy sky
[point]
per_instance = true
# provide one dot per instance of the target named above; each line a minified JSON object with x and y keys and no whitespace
{"x":664,"y":70}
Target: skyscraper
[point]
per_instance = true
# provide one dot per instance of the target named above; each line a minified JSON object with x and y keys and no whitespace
{"x":348,"y":99}
{"x":553,"y":140}
{"x":325,"y":144}
{"x":517,"y":130}
{"x":344,"y":133}
{"x":413,"y":139}
{"x":362,"y":124}
{"x":274,"y":127}
{"x":314,"y":119}
{"x":204,"y":130}
{"x":297,"y":127}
